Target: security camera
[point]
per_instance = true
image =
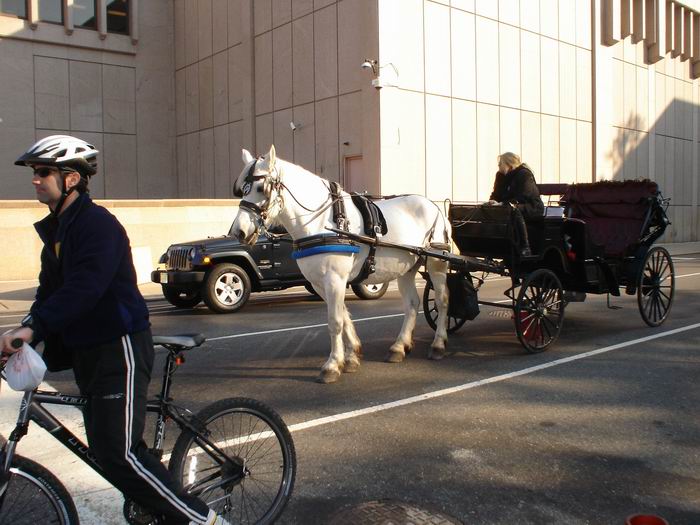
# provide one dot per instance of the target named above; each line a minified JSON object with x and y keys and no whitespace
{"x":366,"y":64}
{"x":294,"y":126}
{"x":377,"y":83}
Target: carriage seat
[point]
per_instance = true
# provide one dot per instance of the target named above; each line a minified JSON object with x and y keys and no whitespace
{"x":614,"y":211}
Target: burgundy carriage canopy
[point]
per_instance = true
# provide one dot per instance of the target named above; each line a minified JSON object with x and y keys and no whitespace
{"x":613,"y":210}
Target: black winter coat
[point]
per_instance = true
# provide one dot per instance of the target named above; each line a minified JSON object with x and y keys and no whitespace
{"x":87,"y":292}
{"x":519,"y":186}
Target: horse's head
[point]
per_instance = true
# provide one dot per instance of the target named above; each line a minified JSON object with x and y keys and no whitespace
{"x":258,"y":186}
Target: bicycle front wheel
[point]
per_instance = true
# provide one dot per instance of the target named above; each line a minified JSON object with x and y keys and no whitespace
{"x":35,"y":496}
{"x":248,"y":474}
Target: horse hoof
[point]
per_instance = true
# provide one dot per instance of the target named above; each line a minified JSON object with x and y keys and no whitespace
{"x":394,"y":357}
{"x":351,"y":367}
{"x":328,"y":376}
{"x":358,"y":351}
{"x":436,"y":354}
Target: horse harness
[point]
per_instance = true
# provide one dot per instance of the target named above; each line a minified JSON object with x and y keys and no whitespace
{"x":324,"y":243}
{"x":373,"y":220}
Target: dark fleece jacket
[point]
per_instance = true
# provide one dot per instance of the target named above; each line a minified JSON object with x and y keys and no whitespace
{"x":87,"y":292}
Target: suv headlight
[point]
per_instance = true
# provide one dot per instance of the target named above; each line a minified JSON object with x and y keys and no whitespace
{"x":163,"y":258}
{"x":191,"y":254}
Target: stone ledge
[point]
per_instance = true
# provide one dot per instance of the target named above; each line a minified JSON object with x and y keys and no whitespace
{"x":128,"y":203}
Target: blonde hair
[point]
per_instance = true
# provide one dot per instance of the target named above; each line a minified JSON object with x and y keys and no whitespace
{"x":510,"y":159}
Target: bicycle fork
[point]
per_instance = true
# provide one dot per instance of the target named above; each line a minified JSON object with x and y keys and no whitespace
{"x":32,"y":410}
{"x":7,"y":453}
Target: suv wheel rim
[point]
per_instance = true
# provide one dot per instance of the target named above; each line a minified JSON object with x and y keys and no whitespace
{"x":228,"y":289}
{"x":374,"y":288}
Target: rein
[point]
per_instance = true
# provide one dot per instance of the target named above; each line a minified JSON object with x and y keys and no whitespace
{"x":334,"y":199}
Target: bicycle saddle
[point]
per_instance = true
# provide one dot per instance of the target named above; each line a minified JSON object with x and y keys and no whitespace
{"x":186,"y":341}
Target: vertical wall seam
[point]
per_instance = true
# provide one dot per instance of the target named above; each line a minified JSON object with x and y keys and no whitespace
{"x":425,"y":110}
{"x":452,"y":117}
{"x":338,"y":155}
{"x":476,"y":112}
{"x":594,"y":108}
{"x":313,"y":74}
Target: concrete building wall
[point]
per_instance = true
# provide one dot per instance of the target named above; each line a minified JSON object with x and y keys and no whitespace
{"x":466,"y":80}
{"x":583,"y":90}
{"x":214,"y":98}
{"x":116,"y":91}
{"x":648,"y":96}
{"x":308,"y":77}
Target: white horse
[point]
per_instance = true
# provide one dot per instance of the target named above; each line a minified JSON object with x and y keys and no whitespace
{"x":277,"y":192}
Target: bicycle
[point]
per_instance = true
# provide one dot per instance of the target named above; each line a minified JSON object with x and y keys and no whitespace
{"x":235,"y":454}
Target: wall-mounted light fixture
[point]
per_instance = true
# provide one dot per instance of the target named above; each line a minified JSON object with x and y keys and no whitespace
{"x":378,"y":82}
{"x":294,"y":126}
{"x":370,"y":64}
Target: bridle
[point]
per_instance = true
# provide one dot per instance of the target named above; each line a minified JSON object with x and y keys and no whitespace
{"x":272,"y":184}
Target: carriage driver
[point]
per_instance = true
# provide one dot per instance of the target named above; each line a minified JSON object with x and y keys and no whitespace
{"x":515,"y":185}
{"x":91,"y":316}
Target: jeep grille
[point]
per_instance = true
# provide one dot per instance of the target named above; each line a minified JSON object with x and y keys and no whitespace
{"x":178,"y":259}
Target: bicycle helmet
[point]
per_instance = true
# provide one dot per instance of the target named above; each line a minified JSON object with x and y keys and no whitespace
{"x":62,"y":151}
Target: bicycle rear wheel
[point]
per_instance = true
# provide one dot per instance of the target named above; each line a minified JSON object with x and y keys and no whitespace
{"x":35,"y":496}
{"x":251,"y":476}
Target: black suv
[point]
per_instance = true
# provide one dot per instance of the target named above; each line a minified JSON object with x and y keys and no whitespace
{"x":222,"y":272}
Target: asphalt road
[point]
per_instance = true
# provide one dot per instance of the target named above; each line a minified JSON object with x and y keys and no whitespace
{"x":601,"y":426}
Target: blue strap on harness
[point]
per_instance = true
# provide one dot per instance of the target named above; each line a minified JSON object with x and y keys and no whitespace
{"x":326,"y":248}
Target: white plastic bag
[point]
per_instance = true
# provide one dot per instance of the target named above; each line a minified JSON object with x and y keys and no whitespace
{"x":25,"y":369}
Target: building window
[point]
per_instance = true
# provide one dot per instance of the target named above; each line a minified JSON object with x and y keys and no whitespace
{"x":118,"y":16}
{"x":51,"y":11}
{"x":84,"y":14}
{"x":16,"y":8}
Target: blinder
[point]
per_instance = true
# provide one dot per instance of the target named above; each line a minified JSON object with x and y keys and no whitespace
{"x":249,"y":179}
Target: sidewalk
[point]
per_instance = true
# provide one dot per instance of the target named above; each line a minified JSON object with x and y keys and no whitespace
{"x":17,"y":296}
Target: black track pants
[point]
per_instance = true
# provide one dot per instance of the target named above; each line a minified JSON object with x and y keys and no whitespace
{"x":115,"y":378}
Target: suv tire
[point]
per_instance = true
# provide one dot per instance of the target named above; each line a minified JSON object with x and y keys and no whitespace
{"x":181,"y":298}
{"x":226,"y":288}
{"x":370,"y":291}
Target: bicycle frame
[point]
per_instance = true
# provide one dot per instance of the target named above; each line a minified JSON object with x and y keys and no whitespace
{"x":32,"y":409}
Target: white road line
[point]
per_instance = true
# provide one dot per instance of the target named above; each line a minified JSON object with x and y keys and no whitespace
{"x":294,"y":328}
{"x":687,"y":275}
{"x":305,"y":425}
{"x":466,"y":386}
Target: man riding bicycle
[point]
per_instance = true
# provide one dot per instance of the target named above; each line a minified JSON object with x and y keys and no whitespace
{"x":92,"y":317}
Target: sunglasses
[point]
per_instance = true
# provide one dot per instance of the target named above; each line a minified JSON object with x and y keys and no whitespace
{"x":45,"y":172}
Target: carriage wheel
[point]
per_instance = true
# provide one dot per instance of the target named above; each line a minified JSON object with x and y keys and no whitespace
{"x":539,"y":310}
{"x":655,"y":287}
{"x":431,"y":313}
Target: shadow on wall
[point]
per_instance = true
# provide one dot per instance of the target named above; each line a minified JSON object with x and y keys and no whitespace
{"x":663,"y":154}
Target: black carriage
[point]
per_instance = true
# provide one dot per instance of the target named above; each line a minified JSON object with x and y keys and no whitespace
{"x":594,"y":238}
